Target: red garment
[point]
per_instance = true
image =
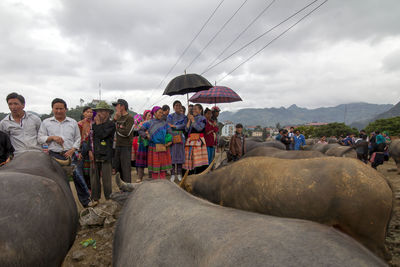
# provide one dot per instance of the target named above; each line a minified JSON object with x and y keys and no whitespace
{"x":211,"y":134}
{"x":135,"y":147}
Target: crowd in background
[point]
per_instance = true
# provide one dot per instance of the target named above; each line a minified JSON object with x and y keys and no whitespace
{"x":370,"y":149}
{"x":110,"y":140}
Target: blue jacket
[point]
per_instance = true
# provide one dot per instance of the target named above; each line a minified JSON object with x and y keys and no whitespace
{"x":299,"y":141}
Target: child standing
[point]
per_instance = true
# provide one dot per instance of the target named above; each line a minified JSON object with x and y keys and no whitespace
{"x":237,"y":144}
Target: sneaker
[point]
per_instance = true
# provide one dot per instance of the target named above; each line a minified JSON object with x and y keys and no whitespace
{"x":179,"y":177}
{"x":173,"y":178}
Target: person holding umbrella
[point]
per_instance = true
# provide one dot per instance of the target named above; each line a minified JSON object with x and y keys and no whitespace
{"x":195,"y":147}
{"x":177,"y":122}
{"x":159,"y":134}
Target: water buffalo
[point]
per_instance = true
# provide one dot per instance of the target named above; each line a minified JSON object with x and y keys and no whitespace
{"x":161,"y":225}
{"x":283,"y":154}
{"x":342,"y":151}
{"x":394,"y":152}
{"x":323,"y":147}
{"x":38,"y":214}
{"x":311,"y":141}
{"x":339,"y":192}
{"x":250,"y":144}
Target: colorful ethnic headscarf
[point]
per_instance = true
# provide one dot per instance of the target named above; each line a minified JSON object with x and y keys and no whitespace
{"x":154,"y":110}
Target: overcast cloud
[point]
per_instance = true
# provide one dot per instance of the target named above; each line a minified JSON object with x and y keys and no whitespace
{"x":347,"y":51}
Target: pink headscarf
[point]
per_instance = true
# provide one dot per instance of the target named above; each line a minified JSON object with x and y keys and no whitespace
{"x":145,"y":114}
{"x":155,"y":109}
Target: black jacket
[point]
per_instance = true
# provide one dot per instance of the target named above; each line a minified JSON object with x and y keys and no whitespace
{"x":103,"y":137}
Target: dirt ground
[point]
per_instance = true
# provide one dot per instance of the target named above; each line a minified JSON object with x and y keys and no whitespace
{"x":101,"y":256}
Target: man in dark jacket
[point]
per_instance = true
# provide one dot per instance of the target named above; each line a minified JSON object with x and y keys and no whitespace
{"x":361,"y":145}
{"x":103,"y":136}
{"x":123,"y":147}
{"x":237,"y":143}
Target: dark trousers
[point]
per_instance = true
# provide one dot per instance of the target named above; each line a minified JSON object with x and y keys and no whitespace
{"x":363,"y":157}
{"x":103,"y":170}
{"x":79,"y":180}
{"x":77,"y":175}
{"x":122,"y":160}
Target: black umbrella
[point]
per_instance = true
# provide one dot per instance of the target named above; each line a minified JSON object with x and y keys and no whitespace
{"x":187,"y":83}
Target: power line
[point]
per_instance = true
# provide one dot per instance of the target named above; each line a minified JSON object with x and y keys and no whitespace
{"x":240,"y":34}
{"x":277,"y":37}
{"x":216,"y":34}
{"x":258,"y":37}
{"x":187,"y":47}
{"x":191,"y":42}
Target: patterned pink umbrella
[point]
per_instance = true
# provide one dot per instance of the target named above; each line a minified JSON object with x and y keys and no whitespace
{"x":214,"y":95}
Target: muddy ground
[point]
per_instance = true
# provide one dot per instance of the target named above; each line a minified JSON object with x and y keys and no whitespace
{"x":101,"y":256}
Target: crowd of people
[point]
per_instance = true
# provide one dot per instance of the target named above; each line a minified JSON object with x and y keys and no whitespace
{"x":109,"y":140}
{"x":293,"y":139}
{"x":371,"y":148}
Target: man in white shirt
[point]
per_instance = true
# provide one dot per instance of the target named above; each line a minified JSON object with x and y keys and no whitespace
{"x":62,"y":135}
{"x":22,"y":127}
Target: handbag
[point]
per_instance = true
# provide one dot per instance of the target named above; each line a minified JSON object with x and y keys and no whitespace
{"x":177,"y":139}
{"x":161,"y":148}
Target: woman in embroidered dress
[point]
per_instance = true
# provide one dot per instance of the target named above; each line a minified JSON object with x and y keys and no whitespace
{"x":177,"y":121}
{"x":195,"y":147}
{"x":85,"y":128}
{"x":159,"y":134}
{"x":210,"y":135}
{"x":142,"y":152}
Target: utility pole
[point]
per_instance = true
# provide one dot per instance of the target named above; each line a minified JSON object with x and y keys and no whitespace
{"x":345,"y":113}
{"x":99,"y":91}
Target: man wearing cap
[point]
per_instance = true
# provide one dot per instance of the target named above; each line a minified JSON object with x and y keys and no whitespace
{"x":103,"y":136}
{"x":124,"y":132}
{"x":22,"y":127}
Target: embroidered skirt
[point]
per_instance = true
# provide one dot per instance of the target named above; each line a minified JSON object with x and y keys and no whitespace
{"x":195,"y":154}
{"x":159,"y":161}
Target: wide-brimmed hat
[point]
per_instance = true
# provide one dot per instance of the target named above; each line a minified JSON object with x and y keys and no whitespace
{"x":102,"y":105}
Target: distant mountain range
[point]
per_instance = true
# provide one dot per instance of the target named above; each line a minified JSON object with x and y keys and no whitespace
{"x":294,"y":115}
{"x":392,"y":112}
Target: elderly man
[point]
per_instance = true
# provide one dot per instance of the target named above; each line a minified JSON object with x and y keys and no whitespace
{"x":103,"y":136}
{"x":64,"y":138}
{"x":22,"y":127}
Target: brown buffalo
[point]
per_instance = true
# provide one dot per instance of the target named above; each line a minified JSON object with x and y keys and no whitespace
{"x":283,"y":154}
{"x":161,"y":225}
{"x":340,"y":192}
{"x":394,"y":152}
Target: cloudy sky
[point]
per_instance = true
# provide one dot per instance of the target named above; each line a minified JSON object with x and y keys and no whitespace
{"x":346,"y":51}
